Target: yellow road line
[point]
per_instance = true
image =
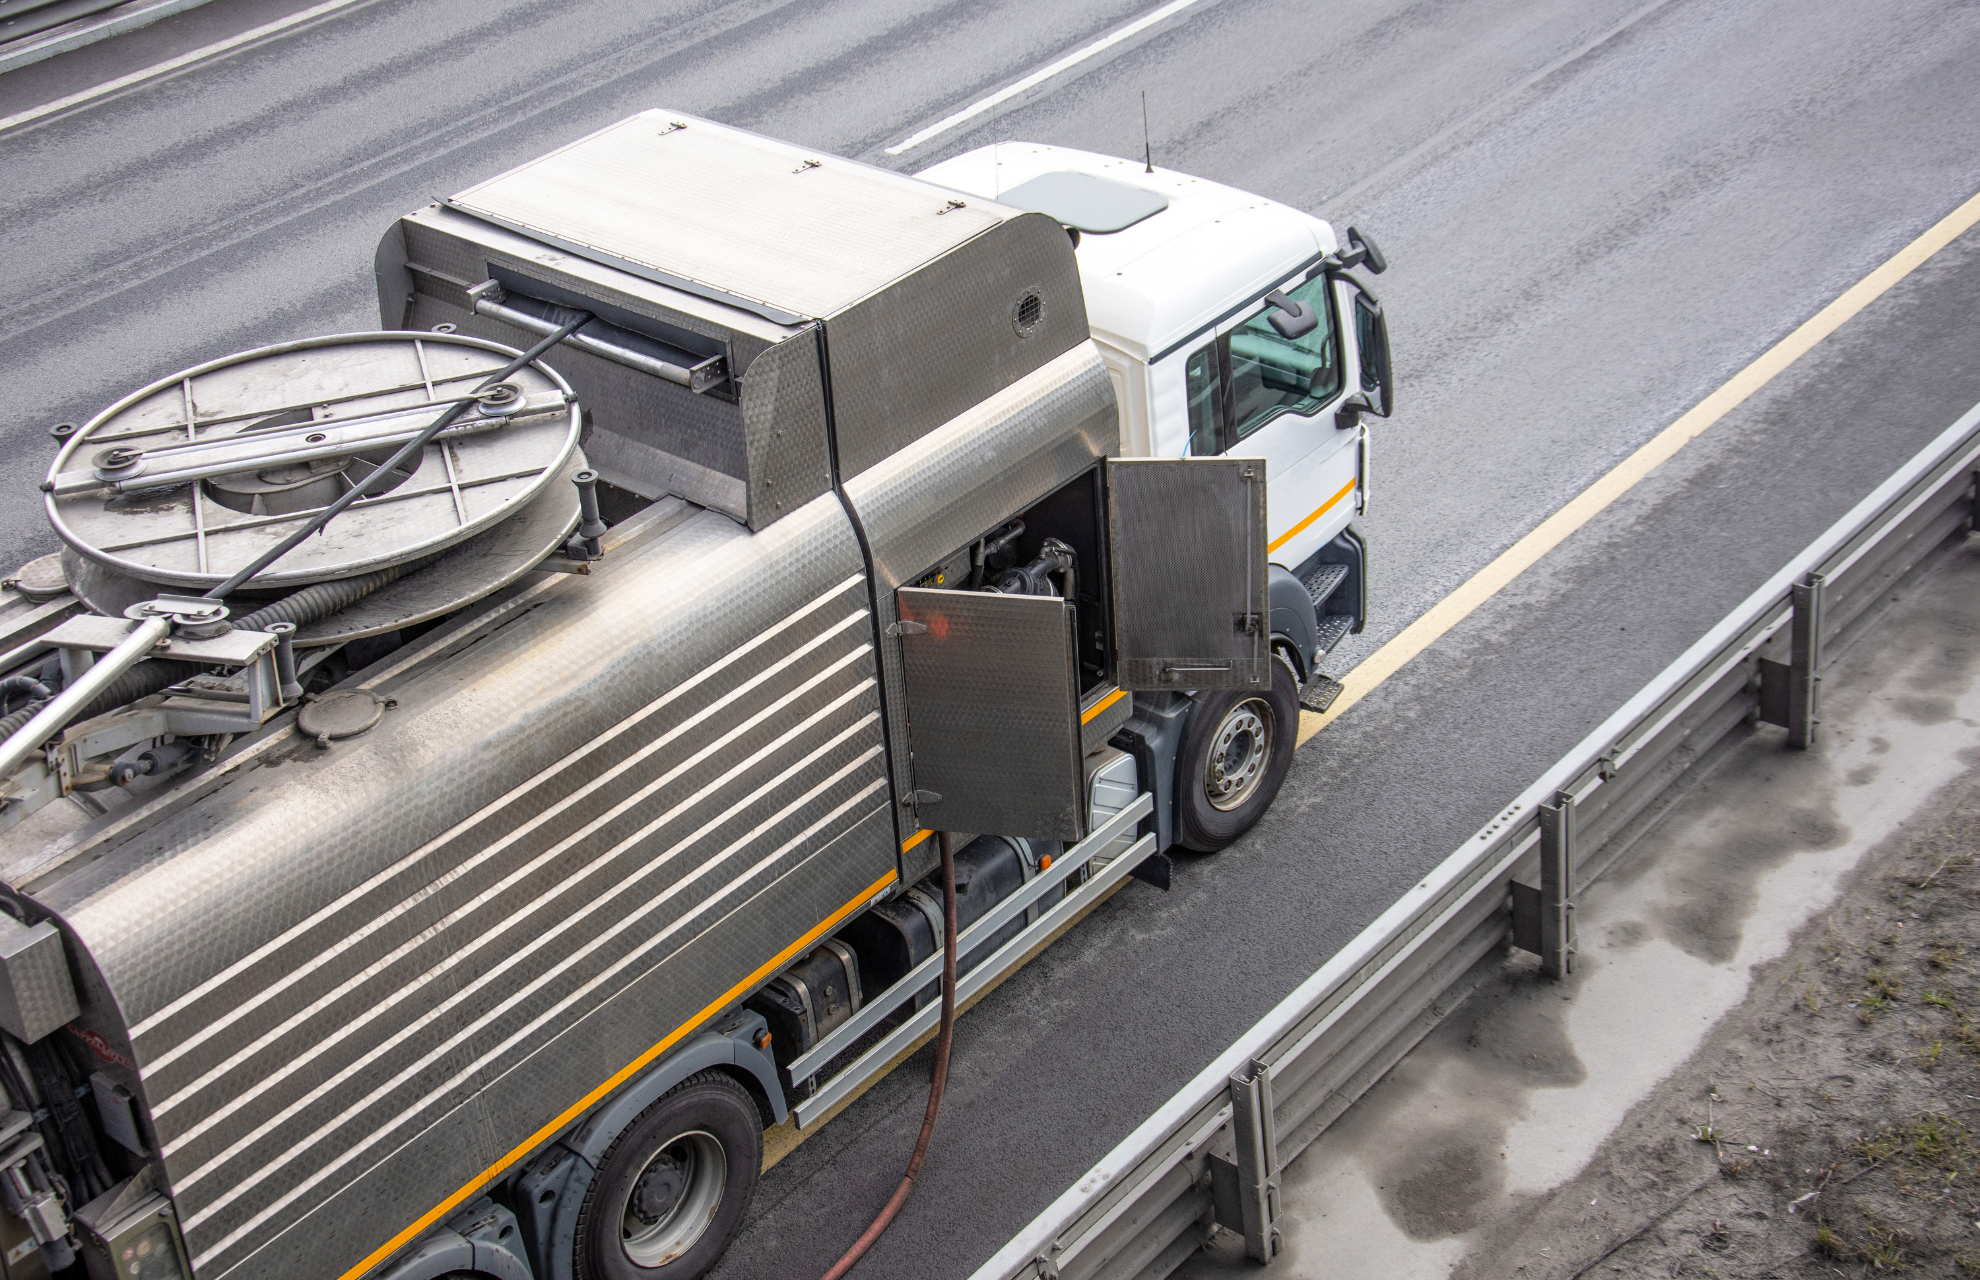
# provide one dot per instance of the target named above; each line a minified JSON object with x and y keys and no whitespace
{"x":1490,"y":580}
{"x":1297,"y":529}
{"x":618,"y":1078}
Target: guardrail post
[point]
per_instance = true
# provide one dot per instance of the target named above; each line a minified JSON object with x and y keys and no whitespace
{"x":1257,"y":1159}
{"x":1788,"y":689}
{"x":1543,"y":918}
{"x":1556,"y":886}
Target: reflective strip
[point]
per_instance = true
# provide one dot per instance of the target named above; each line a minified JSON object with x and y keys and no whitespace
{"x":269,"y":948}
{"x":1108,"y":701}
{"x":1299,"y":528}
{"x":916,"y":838}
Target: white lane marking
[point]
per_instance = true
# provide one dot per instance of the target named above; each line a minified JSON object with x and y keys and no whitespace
{"x":495,"y":806}
{"x":170,"y":65}
{"x":1036,"y":78}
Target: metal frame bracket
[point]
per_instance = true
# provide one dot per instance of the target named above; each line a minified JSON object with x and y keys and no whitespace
{"x":1788,"y":690}
{"x":1254,"y":1176}
{"x":1543,"y":918}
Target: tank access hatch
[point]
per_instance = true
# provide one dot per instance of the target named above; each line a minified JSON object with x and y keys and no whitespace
{"x":992,"y":688}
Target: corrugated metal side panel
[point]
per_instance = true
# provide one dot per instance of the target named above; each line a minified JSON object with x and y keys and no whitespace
{"x":794,"y":895}
{"x":330,"y":966}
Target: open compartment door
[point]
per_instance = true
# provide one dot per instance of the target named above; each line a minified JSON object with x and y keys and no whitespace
{"x":1187,"y":537}
{"x":993,"y":712}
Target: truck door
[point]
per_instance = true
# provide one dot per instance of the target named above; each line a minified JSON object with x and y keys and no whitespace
{"x":993,"y":712}
{"x":1254,"y":391}
{"x":992,"y":680}
{"x":1188,"y":573}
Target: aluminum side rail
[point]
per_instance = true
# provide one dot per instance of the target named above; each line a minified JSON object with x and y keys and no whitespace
{"x":1212,"y":1153}
{"x":878,"y":1057}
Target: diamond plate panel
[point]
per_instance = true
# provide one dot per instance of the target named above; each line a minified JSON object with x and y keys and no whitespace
{"x":993,"y":712}
{"x":947,"y":337}
{"x":1190,"y":577}
{"x":783,"y":406}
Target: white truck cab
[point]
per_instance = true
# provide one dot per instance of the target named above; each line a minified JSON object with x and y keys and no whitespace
{"x":1230,"y":325}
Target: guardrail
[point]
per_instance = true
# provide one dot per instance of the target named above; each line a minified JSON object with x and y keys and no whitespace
{"x":43,"y":28}
{"x":1212,"y":1154}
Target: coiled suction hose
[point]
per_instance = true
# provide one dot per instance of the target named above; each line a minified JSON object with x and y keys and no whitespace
{"x":155,"y":675}
{"x":942,"y":1043}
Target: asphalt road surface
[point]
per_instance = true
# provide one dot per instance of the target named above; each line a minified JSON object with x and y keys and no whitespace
{"x":1594,"y":213}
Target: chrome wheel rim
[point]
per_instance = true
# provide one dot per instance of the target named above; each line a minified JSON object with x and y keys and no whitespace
{"x":673,"y":1200}
{"x":1238,"y":754}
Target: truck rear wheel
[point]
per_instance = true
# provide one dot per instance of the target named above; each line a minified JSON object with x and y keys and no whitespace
{"x":1234,"y":756}
{"x":672,"y":1189}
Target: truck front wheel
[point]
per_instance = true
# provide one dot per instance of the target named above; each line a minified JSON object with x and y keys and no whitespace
{"x":672,"y":1189}
{"x":1234,"y":755}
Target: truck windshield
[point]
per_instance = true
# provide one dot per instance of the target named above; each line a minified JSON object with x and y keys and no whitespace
{"x":1271,"y":374}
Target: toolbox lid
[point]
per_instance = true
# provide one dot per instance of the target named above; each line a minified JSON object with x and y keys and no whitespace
{"x":786,"y":232}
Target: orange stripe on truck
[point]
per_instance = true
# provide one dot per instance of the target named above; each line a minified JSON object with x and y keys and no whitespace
{"x":619,"y":1077}
{"x":1102,"y":705}
{"x":1299,"y":528}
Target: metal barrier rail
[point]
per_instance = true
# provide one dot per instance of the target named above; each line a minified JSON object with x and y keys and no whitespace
{"x":1211,"y":1155}
{"x":43,"y":30}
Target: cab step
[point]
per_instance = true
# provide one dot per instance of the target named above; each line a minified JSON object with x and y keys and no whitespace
{"x":1319,"y":693}
{"x":1324,"y":581}
{"x":1334,"y":628}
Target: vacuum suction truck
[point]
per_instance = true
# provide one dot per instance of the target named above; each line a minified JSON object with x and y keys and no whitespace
{"x":461,"y":784}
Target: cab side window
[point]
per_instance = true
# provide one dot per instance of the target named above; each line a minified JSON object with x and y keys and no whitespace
{"x":1206,"y":403}
{"x":1271,"y":374}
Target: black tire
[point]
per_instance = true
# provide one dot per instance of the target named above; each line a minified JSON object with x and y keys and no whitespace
{"x":1207,"y":822}
{"x":708,"y":1110}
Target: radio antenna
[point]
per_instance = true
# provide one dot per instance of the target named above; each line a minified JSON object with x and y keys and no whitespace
{"x":1147,"y":152}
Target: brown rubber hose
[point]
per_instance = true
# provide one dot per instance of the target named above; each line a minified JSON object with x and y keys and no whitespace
{"x":942,"y":1041}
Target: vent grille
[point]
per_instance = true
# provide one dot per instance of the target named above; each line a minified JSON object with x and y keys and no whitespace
{"x":1028,"y":313}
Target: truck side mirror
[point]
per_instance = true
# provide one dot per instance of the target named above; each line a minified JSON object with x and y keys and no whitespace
{"x":1291,"y":318}
{"x":1371,"y":336}
{"x":1348,"y":416}
{"x":1364,"y":251}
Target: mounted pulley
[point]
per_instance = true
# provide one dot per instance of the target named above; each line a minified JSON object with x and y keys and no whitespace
{"x":185,"y":482}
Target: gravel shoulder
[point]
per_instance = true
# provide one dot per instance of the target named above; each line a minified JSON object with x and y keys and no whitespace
{"x":1830,"y":1125}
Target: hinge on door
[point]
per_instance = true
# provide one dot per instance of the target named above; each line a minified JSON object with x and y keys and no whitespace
{"x":1247,"y":624}
{"x":907,"y":628}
